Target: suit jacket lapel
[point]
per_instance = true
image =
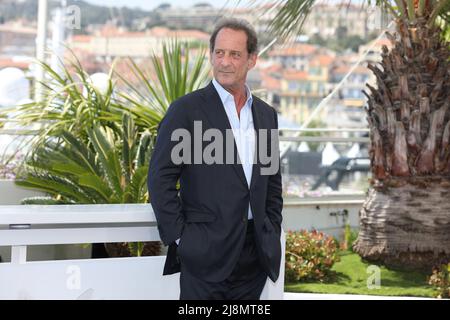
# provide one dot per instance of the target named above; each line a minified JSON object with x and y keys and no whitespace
{"x":258,"y":124}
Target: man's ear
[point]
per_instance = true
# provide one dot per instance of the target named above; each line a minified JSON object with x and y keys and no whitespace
{"x":210,"y":57}
{"x":252,"y":60}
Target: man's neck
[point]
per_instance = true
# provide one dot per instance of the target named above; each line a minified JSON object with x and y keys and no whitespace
{"x":238,"y":93}
{"x":240,"y":97}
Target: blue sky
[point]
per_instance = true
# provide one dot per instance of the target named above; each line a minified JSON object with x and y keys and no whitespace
{"x":151,"y":4}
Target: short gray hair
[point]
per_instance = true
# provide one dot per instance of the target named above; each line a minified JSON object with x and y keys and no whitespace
{"x":236,"y":24}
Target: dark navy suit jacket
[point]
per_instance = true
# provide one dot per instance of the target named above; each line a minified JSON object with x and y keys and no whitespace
{"x":209,"y":211}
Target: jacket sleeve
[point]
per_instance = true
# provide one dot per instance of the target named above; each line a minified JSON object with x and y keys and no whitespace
{"x":274,"y":200}
{"x":163,"y":175}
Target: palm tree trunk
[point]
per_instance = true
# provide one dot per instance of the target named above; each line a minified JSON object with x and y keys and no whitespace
{"x":407,"y":224}
{"x":405,"y":220}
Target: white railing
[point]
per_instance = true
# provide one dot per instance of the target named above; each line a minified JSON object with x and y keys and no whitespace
{"x":106,"y":278}
{"x":288,"y":136}
{"x":291,"y":135}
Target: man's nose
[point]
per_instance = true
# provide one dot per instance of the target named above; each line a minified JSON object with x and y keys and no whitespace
{"x":226,"y":60}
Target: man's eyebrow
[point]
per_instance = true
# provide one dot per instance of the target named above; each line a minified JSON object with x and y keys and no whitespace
{"x":228,"y":50}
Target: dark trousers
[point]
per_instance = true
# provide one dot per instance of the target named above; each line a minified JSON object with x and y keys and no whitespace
{"x":246,"y":281}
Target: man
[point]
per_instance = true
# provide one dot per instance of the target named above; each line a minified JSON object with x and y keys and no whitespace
{"x":223,"y":229}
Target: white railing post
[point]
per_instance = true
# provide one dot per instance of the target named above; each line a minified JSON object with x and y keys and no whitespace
{"x":19,"y":254}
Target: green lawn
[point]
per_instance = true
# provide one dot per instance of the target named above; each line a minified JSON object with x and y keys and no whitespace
{"x":352,"y":279}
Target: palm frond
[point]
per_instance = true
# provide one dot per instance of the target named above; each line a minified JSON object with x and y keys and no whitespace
{"x":101,"y":139}
{"x":145,"y":149}
{"x":129,"y":136}
{"x":138,"y":186}
{"x":96,"y":183}
{"x":290,"y":17}
{"x":54,"y":185}
{"x":43,"y":201}
{"x":174,"y":76}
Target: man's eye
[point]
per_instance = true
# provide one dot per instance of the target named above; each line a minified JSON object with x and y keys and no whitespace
{"x":236,"y":54}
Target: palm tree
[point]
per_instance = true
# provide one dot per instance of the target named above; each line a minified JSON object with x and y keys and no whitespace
{"x":72,"y":101}
{"x":94,"y":147}
{"x":405,"y":220}
{"x":109,"y":168}
{"x":170,"y":77}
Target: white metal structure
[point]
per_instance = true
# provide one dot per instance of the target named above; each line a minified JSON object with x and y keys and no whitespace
{"x":108,"y":278}
{"x":41,"y":39}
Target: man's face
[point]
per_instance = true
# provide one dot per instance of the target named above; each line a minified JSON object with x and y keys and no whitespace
{"x":230,"y":59}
